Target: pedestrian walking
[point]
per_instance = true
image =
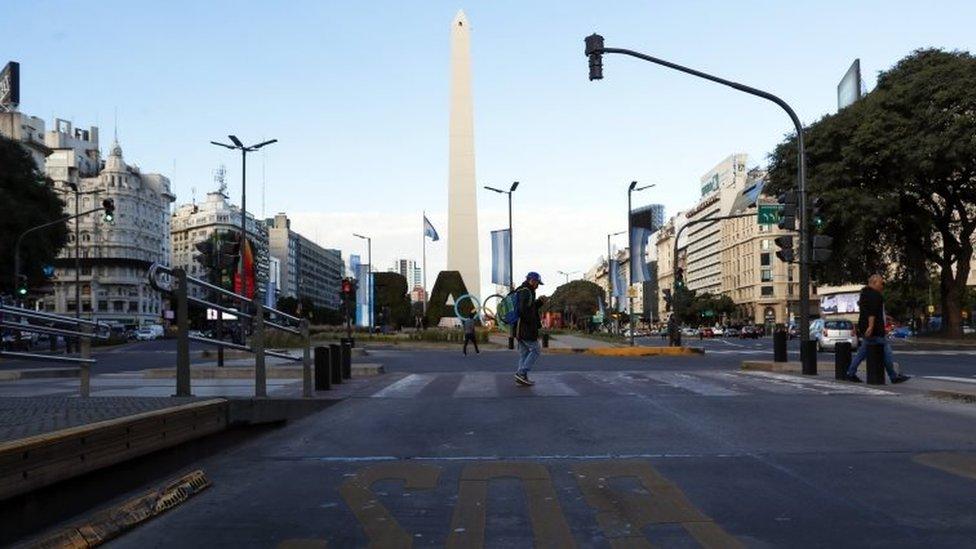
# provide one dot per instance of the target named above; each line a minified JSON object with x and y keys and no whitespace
{"x":526,"y":328}
{"x":871,"y":327}
{"x":469,"y":333}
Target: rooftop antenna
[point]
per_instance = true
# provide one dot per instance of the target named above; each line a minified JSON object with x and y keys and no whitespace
{"x":220,"y":177}
{"x":193,"y":195}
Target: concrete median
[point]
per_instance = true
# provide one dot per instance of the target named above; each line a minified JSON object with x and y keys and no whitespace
{"x":627,"y":351}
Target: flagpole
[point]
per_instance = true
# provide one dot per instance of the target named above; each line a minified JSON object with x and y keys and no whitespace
{"x":423,"y":238}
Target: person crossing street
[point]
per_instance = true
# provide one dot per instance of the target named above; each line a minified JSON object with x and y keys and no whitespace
{"x":526,"y":328}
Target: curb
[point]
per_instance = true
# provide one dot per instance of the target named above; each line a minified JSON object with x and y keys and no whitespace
{"x":33,"y":462}
{"x":247,"y":372}
{"x":39,"y":373}
{"x":627,"y":351}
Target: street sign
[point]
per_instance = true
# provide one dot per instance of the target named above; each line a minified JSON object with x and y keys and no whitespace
{"x":708,"y":312}
{"x":632,"y":291}
{"x":931,"y":309}
{"x":768,"y":214}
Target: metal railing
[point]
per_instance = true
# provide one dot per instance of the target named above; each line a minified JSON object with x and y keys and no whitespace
{"x":20,"y":319}
{"x":256,"y":313}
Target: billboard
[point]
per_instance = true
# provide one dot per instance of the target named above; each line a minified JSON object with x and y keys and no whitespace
{"x":849,"y":87}
{"x":10,"y":86}
{"x":845,"y":303}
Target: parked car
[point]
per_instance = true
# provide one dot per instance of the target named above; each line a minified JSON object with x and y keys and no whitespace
{"x":968,"y":330}
{"x":731,"y":332}
{"x":718,"y":331}
{"x":706,"y":332}
{"x":834,"y":332}
{"x":149,"y":332}
{"x":903,"y":332}
{"x":749,"y":332}
{"x":689,"y":331}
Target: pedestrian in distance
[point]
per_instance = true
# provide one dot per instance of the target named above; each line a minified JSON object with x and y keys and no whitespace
{"x":469,"y":333}
{"x":871,"y":327}
{"x":526,"y":328}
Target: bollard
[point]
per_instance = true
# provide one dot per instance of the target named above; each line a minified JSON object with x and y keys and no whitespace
{"x":351,"y":341}
{"x":511,"y":342}
{"x":257,"y":346}
{"x":808,"y":357}
{"x":306,"y":359}
{"x":345,"y":354}
{"x":545,"y":341}
{"x":335,"y":363}
{"x":876,"y":373}
{"x":85,"y":373}
{"x":182,"y":334}
{"x":779,"y":346}
{"x":322,"y":376}
{"x":842,"y":359}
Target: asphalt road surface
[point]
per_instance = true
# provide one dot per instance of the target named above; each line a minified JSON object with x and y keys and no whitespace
{"x":446,"y":450}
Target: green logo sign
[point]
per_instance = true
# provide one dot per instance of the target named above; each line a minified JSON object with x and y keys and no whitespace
{"x":768,"y":214}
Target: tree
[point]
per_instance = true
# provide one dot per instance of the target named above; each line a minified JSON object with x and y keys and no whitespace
{"x":578,"y":299}
{"x":897,"y":170}
{"x":26,"y":200}
{"x":392,"y":304}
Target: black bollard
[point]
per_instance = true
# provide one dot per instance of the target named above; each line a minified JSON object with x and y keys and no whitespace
{"x":779,"y":346}
{"x":876,"y":373}
{"x":335,"y":363}
{"x":842,"y":359}
{"x":322,"y":381}
{"x":808,"y":357}
{"x":511,"y":342}
{"x":545,"y":341}
{"x":345,"y":352}
{"x":351,"y":341}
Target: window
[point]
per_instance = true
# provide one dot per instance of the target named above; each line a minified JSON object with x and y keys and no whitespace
{"x":765,"y":245}
{"x":767,"y":291}
{"x":766,"y":275}
{"x":764,"y":259}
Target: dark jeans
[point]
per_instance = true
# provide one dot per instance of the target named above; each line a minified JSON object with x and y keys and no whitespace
{"x":472,"y":339}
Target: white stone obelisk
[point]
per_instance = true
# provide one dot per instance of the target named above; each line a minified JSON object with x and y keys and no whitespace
{"x":462,"y":200}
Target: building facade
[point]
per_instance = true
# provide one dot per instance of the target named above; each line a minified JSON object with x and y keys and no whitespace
{"x":114,"y":256}
{"x":307,"y":269}
{"x":194,"y":223}
{"x":409,"y":269}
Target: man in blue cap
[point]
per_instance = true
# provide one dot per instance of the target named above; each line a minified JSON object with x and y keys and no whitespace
{"x":526,"y":329}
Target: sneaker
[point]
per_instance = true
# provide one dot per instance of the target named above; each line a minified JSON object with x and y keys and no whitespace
{"x":901,"y":379}
{"x":854,"y":379}
{"x":523,"y":379}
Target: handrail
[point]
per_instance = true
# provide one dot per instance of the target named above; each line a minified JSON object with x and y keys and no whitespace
{"x":49,"y":330}
{"x":40,"y":315}
{"x":35,"y":356}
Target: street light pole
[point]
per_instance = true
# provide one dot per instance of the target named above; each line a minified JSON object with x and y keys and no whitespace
{"x":610,"y":274}
{"x":594,"y":50}
{"x":564,"y":273}
{"x":511,"y":238}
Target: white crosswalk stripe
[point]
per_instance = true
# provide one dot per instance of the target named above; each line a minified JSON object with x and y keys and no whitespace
{"x":626,"y":384}
{"x":952,"y":378}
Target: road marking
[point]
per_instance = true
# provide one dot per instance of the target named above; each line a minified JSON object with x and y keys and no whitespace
{"x":951,"y":378}
{"x":692,"y":383}
{"x":551,"y":385}
{"x":824,"y":386}
{"x":381,"y":528}
{"x":623,"y":515}
{"x":477,"y":385}
{"x":963,"y":465}
{"x":549,"y":526}
{"x":407,"y":387}
{"x":757,"y":384}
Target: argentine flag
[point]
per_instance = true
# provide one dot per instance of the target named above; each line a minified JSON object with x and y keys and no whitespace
{"x":429,"y":230}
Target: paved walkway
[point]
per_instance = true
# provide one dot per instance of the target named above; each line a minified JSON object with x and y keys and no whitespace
{"x":28,"y":416}
{"x":563,"y":341}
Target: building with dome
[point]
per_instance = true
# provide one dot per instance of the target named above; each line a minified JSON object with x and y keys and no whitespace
{"x":114,"y":257}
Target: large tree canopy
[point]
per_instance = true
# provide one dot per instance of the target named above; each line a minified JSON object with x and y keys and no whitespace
{"x":897,"y":170}
{"x":26,"y":200}
{"x":578,"y":299}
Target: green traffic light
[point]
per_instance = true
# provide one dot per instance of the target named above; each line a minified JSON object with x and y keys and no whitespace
{"x":109,"y":218}
{"x":22,"y":290}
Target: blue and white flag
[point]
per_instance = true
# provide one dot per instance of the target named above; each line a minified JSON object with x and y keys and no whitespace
{"x":640,"y":271}
{"x":501,"y":247}
{"x":429,"y":230}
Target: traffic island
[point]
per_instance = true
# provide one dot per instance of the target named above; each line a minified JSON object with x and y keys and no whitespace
{"x":627,"y":351}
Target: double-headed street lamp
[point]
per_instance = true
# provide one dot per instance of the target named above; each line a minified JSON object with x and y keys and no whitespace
{"x":369,"y":277}
{"x":511,"y":243}
{"x":594,"y":51}
{"x":630,"y":231}
{"x":238,"y":146}
{"x":564,"y":273}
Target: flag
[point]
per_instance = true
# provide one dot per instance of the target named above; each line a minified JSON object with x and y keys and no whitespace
{"x":245,"y":287}
{"x":640,"y":271}
{"x":501,"y":247}
{"x":429,"y":230}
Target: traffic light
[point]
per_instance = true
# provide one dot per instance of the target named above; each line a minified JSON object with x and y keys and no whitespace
{"x":679,"y":278}
{"x":229,"y":254}
{"x":817,"y":213}
{"x":22,"y":285}
{"x":594,"y":42}
{"x":821,"y":248}
{"x":667,"y":299}
{"x":108,"y":205}
{"x":787,"y":219}
{"x":785,"y":252}
{"x":206,"y":257}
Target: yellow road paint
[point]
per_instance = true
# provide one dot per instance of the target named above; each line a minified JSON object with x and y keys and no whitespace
{"x":963,"y":465}
{"x":549,"y":525}
{"x":381,"y":528}
{"x":622,"y":516}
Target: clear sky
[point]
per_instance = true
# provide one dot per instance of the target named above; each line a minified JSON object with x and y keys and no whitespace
{"x":357,"y":94}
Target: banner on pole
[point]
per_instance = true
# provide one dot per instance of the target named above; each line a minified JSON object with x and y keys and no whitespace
{"x":501,"y":246}
{"x":643,"y":222}
{"x":429,"y":230}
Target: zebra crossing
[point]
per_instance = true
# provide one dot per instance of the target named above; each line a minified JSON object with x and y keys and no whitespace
{"x":718,"y":384}
{"x":913,"y":352}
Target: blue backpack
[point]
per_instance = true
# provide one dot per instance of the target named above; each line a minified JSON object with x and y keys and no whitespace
{"x":508,"y":310}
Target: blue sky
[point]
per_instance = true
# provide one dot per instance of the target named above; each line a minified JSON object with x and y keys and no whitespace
{"x":357,"y":95}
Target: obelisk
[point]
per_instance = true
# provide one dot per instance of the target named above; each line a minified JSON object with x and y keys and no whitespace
{"x":462,"y":200}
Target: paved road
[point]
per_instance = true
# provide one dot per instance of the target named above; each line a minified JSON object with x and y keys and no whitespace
{"x":448,"y":451}
{"x":138,"y":355}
